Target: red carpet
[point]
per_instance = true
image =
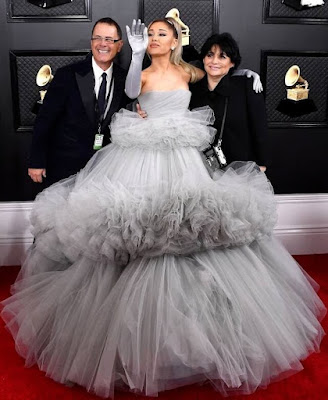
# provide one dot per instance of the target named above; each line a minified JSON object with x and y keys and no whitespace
{"x":19,"y":383}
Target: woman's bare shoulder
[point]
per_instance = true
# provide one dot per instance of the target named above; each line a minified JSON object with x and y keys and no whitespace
{"x":145,"y":74}
{"x":183,"y":72}
{"x":199,"y":73}
{"x":146,"y":71}
{"x":187,"y":70}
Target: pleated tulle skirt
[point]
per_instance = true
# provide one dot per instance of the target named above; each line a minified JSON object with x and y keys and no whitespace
{"x":146,"y":274}
{"x":238,"y":317}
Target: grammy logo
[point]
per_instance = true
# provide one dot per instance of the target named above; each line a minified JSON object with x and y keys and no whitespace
{"x":174,"y":13}
{"x":300,"y":91}
{"x":297,"y":102}
{"x":43,"y":77}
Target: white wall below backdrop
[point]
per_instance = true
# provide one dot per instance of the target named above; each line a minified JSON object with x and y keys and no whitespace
{"x":302,"y":226}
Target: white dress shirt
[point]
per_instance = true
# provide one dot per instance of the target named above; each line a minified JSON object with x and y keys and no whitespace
{"x":97,"y":72}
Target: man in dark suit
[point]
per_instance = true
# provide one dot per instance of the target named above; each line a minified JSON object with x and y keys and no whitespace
{"x":74,"y":118}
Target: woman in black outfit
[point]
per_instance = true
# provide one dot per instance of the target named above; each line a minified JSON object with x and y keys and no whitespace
{"x":245,"y":129}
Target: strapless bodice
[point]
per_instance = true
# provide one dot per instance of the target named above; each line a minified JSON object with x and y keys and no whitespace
{"x":159,"y":103}
{"x":169,"y":123}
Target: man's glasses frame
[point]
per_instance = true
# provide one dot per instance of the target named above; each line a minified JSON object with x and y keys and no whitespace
{"x":105,"y":39}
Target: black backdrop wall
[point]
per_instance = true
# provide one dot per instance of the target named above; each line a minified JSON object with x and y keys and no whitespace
{"x":299,"y":154}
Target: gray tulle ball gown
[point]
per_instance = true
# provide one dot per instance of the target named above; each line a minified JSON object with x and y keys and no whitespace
{"x":147,"y":274}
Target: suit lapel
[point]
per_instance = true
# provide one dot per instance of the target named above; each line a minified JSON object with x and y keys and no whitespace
{"x":119,"y":82}
{"x":86,"y":83}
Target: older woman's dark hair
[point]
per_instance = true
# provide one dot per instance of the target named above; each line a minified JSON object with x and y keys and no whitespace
{"x":227,"y":44}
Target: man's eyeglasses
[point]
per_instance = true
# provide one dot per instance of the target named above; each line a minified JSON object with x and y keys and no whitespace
{"x":99,"y":39}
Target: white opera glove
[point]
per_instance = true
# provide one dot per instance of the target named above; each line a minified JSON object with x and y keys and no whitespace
{"x":138,"y":40}
{"x":312,"y":3}
{"x":257,"y":84}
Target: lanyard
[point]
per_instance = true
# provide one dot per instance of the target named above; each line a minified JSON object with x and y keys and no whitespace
{"x":102,"y":116}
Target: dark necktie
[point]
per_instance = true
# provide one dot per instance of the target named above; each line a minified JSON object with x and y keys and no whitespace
{"x":102,"y":94}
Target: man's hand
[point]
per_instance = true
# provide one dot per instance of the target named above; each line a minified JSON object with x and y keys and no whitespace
{"x":36,"y":174}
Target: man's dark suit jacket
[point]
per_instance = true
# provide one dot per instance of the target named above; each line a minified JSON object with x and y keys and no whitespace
{"x":66,"y":124}
{"x":245,"y":136}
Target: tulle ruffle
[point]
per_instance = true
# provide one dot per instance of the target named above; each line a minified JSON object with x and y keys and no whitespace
{"x":118,"y":291}
{"x":237,"y":317}
{"x":189,"y":128}
{"x":149,"y":194}
{"x":102,"y":219}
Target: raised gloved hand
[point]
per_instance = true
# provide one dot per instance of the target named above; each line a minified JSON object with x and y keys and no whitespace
{"x":138,"y":40}
{"x":137,"y":37}
{"x":257,"y":84}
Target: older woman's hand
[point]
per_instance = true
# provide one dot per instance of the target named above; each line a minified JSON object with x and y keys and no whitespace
{"x":257,"y":84}
{"x":142,"y":113}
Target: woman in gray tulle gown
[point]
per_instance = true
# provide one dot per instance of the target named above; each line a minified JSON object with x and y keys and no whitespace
{"x":146,"y":273}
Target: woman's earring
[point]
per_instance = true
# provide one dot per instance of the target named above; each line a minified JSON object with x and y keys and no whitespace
{"x":172,"y":48}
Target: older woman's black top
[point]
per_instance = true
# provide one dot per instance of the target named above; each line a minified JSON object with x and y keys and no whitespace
{"x":245,"y":136}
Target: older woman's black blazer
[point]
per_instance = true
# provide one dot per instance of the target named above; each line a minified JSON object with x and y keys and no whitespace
{"x":245,"y":136}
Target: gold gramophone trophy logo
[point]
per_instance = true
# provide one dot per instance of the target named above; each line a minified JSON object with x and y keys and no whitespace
{"x":189,"y":52}
{"x":297,"y":102}
{"x":297,"y":87}
{"x":175,"y":14}
{"x":43,"y":77}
